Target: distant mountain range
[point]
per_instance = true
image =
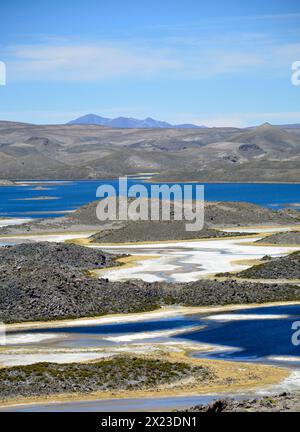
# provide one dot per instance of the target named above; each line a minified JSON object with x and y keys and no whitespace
{"x":128,"y":122}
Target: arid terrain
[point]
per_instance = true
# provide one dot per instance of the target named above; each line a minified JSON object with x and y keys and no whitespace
{"x":46,"y":281}
{"x":283,"y":402}
{"x":43,"y":282}
{"x":149,"y":210}
{"x":216,"y":215}
{"x":265,"y":153}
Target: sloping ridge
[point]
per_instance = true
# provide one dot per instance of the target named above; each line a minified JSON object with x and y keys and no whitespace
{"x":268,"y":137}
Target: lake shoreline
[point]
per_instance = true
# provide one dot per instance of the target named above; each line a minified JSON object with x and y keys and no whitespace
{"x":167,"y":311}
{"x":266,"y":375}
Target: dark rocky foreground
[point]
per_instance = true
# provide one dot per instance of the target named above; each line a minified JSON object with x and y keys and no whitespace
{"x":45,"y":281}
{"x":287,"y":267}
{"x":280,"y":403}
{"x":49,"y":255}
{"x":290,"y":237}
{"x":120,"y":373}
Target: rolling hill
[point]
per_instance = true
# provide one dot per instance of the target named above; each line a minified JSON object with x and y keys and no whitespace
{"x":264,"y":153}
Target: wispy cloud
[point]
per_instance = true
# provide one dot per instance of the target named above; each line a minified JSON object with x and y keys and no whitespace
{"x":186,"y":58}
{"x":87,"y":61}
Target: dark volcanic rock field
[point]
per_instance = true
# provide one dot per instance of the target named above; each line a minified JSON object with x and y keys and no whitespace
{"x":287,"y":267}
{"x":286,"y":238}
{"x":45,"y":281}
{"x":279,"y":403}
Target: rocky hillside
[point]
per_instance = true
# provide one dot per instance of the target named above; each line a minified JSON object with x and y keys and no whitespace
{"x":144,"y":231}
{"x":265,"y":153}
{"x":287,"y":267}
{"x":50,"y":281}
{"x":284,"y":402}
{"x":53,"y":255}
{"x":285,"y":238}
{"x":216,"y":215}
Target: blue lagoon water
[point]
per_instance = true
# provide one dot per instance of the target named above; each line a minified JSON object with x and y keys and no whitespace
{"x":124,"y":328}
{"x":18,"y":201}
{"x":252,"y":339}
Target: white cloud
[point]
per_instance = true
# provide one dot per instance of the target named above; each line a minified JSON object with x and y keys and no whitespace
{"x":86,"y":62}
{"x":177,"y":57}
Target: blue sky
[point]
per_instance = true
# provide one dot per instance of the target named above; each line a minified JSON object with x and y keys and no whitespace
{"x":215,"y":63}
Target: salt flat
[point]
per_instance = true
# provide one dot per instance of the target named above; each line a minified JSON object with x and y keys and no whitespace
{"x":14,"y":221}
{"x":187,"y":261}
{"x":45,"y":237}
